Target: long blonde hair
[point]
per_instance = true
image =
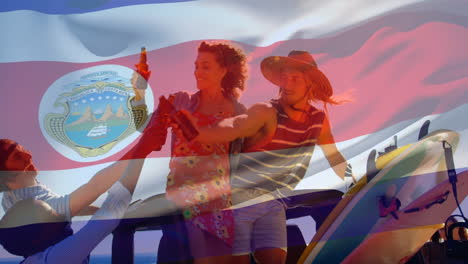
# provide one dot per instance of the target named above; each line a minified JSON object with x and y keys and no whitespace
{"x":320,"y":89}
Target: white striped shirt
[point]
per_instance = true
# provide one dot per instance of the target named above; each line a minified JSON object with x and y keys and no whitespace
{"x":282,"y":162}
{"x":61,"y":204}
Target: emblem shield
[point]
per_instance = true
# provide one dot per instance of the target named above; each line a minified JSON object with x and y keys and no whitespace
{"x":91,"y":113}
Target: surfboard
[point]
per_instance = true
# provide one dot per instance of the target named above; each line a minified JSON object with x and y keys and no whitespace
{"x":406,"y":173}
{"x":396,"y":241}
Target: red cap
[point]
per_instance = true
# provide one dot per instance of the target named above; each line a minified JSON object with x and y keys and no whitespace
{"x":7,"y":146}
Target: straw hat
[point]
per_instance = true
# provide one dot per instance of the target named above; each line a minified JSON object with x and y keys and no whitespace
{"x":271,"y":68}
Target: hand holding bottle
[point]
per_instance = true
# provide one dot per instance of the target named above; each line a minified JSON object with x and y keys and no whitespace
{"x":179,"y":118}
{"x":140,"y":77}
{"x":142,"y":67}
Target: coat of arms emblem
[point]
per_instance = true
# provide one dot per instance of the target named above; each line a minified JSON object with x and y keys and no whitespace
{"x":90,"y":112}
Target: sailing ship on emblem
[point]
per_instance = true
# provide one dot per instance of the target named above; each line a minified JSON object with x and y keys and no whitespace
{"x":98,"y":131}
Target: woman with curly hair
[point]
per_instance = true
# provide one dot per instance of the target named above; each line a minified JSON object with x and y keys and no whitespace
{"x":198,"y":181}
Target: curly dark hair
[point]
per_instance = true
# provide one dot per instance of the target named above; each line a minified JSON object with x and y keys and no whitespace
{"x":234,"y":60}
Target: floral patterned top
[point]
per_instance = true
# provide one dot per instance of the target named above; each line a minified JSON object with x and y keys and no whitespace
{"x":199,"y":182}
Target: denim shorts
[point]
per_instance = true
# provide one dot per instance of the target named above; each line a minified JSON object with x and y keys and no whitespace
{"x":259,"y":226}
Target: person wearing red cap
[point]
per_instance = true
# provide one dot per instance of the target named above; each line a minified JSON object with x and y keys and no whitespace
{"x":279,"y":139}
{"x":36,"y":224}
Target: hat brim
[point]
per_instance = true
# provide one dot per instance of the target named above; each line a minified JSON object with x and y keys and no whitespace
{"x":271,"y":68}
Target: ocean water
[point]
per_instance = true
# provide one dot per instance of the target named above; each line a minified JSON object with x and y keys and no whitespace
{"x":100,"y":259}
{"x":139,"y":259}
{"x":9,"y":261}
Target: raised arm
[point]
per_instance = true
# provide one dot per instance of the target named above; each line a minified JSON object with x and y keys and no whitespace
{"x":97,"y":185}
{"x":333,"y":155}
{"x":259,"y":117}
{"x":77,"y":247}
{"x":153,"y":138}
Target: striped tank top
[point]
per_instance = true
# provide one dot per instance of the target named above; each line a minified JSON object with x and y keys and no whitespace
{"x":283,"y":162}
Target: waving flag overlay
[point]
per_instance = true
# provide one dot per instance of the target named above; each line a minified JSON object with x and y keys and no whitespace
{"x":400,"y":62}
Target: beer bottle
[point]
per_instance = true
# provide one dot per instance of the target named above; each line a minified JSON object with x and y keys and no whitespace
{"x":142,"y":67}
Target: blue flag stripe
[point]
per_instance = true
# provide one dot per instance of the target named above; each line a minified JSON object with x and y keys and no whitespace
{"x":74,"y":6}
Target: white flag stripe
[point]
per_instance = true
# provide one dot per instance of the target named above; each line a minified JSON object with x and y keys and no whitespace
{"x":318,"y":176}
{"x":118,"y":32}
